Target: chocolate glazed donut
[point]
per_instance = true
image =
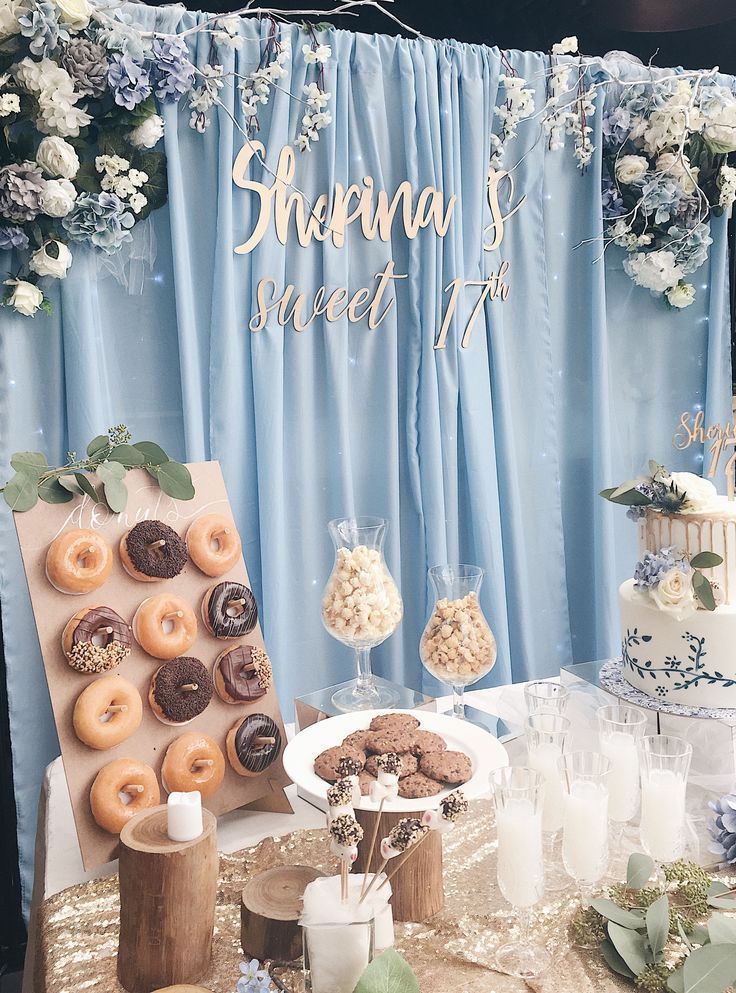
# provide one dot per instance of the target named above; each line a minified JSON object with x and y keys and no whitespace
{"x":253,"y":744}
{"x":243,"y":674}
{"x":112,"y":631}
{"x":152,"y":550}
{"x":215,"y":607}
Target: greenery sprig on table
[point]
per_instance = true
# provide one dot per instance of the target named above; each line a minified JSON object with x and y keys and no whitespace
{"x":666,"y":941}
{"x":109,"y":456}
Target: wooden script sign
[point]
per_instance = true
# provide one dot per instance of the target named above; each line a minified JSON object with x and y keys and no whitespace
{"x":36,"y":529}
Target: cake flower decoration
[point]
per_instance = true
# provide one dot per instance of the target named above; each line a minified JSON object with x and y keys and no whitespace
{"x":444,"y":818}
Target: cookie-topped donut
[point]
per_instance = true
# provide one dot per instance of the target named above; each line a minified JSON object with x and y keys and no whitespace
{"x":180,"y":691}
{"x":213,"y":544}
{"x":96,"y":639}
{"x":152,"y":551}
{"x":229,"y":610}
{"x":242,"y":674}
{"x":78,"y":561}
{"x":253,"y":744}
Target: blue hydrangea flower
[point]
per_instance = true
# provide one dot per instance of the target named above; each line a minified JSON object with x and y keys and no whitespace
{"x":654,"y":566}
{"x":253,"y":979}
{"x":660,"y":197}
{"x":616,"y":125}
{"x":636,"y":513}
{"x":42,"y":26}
{"x":128,"y":80}
{"x":123,"y":36}
{"x":611,"y":199}
{"x":12,"y":237}
{"x":172,"y":72}
{"x":691,"y":248}
{"x":722,"y":829}
{"x":100,"y":218}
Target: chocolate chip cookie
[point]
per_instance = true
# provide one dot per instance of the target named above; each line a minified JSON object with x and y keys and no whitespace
{"x":326,"y":763}
{"x":393,"y":740}
{"x":409,"y":764}
{"x":417,"y":786}
{"x":357,"y":740}
{"x":394,"y":721}
{"x":428,"y":741}
{"x":449,"y":767}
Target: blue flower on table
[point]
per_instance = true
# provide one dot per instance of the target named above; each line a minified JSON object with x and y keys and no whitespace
{"x":128,"y":80}
{"x":172,"y":73}
{"x":100,"y":218}
{"x":253,"y":979}
{"x":40,"y":23}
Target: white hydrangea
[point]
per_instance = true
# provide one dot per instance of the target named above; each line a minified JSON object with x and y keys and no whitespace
{"x":54,"y":91}
{"x":720,"y":130}
{"x":681,"y":295}
{"x":147,"y":134}
{"x":10,"y":11}
{"x":727,"y":183}
{"x":656,"y":271}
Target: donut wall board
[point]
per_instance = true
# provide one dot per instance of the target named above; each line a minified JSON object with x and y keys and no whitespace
{"x":182,"y":687}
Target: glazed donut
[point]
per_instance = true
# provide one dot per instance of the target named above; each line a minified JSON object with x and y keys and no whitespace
{"x":242,"y":674}
{"x":96,"y":639}
{"x":78,"y":561}
{"x":193,"y":762}
{"x":152,"y":551}
{"x":213,"y":544}
{"x":107,"y":712}
{"x":180,"y":691}
{"x":229,"y":610}
{"x":165,"y":626}
{"x":122,"y":789}
{"x":253,"y":743}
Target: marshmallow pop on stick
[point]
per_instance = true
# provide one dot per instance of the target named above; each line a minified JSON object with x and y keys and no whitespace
{"x":348,"y":768}
{"x":340,"y":800}
{"x":345,"y":835}
{"x":408,"y":833}
{"x":386,"y":787}
{"x":449,"y":809}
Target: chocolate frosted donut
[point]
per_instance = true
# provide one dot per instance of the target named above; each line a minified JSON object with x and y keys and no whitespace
{"x":253,"y":743}
{"x":96,"y":639}
{"x":180,"y":690}
{"x":242,"y":674}
{"x":151,"y":551}
{"x":229,"y":610}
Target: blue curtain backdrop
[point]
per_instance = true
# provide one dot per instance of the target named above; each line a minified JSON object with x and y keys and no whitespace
{"x":491,"y":454}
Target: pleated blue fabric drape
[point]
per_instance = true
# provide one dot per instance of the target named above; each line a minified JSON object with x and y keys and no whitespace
{"x":491,"y":454}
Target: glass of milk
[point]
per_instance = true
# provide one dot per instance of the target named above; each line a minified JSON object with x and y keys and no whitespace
{"x":546,"y":736}
{"x":585,"y":778}
{"x":620,"y":730}
{"x":545,"y":695}
{"x":518,"y":794}
{"x":665,"y":764}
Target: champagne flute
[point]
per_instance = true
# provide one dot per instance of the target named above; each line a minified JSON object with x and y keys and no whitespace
{"x":546,"y":737}
{"x":665,"y":764}
{"x":585,"y":777}
{"x":518,"y":795}
{"x":620,"y":729}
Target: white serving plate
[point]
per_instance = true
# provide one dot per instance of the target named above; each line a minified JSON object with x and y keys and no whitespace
{"x":484,"y":751}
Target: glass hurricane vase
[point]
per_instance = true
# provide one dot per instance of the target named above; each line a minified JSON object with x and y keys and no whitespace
{"x":361,"y":606}
{"x":457,"y":646}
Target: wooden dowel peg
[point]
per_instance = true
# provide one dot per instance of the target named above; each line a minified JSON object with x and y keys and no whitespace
{"x":132,"y":788}
{"x":190,"y":687}
{"x":157,"y":544}
{"x":117,"y":708}
{"x":216,"y":534}
{"x":372,"y":848}
{"x":107,"y":630}
{"x":202,"y":763}
{"x":174,"y":613}
{"x":263,"y":740}
{"x":236,"y":603}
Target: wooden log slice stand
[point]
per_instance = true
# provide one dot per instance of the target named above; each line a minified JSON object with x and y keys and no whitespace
{"x":269,"y":913}
{"x":168,"y":891}
{"x":417,"y":886}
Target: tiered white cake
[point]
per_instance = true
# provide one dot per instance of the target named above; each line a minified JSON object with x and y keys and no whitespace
{"x":678,"y":615}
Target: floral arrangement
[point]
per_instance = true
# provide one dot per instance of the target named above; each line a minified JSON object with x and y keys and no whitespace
{"x":665,"y":940}
{"x":80,"y":89}
{"x":664,"y":491}
{"x":109,"y":456}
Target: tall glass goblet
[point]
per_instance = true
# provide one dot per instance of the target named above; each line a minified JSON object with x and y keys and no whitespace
{"x":585,"y":777}
{"x":518,"y":795}
{"x":541,"y":694}
{"x":620,"y":729}
{"x":457,"y":646}
{"x":546,"y":737}
{"x":361,"y":606}
{"x":665,"y":764}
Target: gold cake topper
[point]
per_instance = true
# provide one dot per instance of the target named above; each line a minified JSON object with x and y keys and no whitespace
{"x":692,"y":430}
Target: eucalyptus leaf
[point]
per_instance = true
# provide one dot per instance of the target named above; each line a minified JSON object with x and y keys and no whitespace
{"x":698,"y":935}
{"x":676,"y":982}
{"x":31,"y":463}
{"x":69,"y":482}
{"x":639,"y":870}
{"x":111,"y":471}
{"x":629,"y":485}
{"x":722,"y":902}
{"x":175,"y":480}
{"x":98,"y":445}
{"x":86,"y":487}
{"x":388,"y":973}
{"x":51,"y":491}
{"x":630,"y":498}
{"x":703,"y":591}
{"x":614,"y":960}
{"x":608,"y":492}
{"x":612,"y":912}
{"x":116,"y":495}
{"x":658,"y":925}
{"x":722,"y":929}
{"x":630,"y":945}
{"x":152,"y":453}
{"x":717,"y":888}
{"x":127,"y":455}
{"x":706,"y":560}
{"x":710,"y":969}
{"x":21,"y":492}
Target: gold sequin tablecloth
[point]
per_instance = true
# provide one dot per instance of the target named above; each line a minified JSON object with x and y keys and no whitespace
{"x":79,"y":926}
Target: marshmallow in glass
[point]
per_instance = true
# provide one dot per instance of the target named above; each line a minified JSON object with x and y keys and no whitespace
{"x":361,"y":604}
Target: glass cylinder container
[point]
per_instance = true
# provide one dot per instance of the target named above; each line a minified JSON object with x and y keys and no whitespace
{"x":361,"y":606}
{"x":336,"y":955}
{"x":457,"y":646}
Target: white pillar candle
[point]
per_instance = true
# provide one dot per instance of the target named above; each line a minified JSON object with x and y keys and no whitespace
{"x":184,"y":812}
{"x":585,"y":831}
{"x":520,"y":859}
{"x":544,"y":759}
{"x":662,"y":825}
{"x":623,"y":782}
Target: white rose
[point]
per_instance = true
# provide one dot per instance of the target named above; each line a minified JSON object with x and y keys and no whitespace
{"x":701,"y":494}
{"x":57,"y":157}
{"x":656,"y":271}
{"x":58,"y":197}
{"x":720,"y":131}
{"x":679,"y":167}
{"x":681,"y":295}
{"x":25,"y":298}
{"x":75,"y":13}
{"x":147,"y":134}
{"x":674,"y":594}
{"x":45,"y":263}
{"x":568,"y":46}
{"x":631,"y":168}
